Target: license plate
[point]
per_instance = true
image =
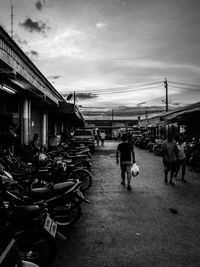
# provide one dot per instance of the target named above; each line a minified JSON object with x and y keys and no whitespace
{"x":50,"y":226}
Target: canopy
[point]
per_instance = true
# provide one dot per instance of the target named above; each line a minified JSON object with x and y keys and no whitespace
{"x":183,"y":113}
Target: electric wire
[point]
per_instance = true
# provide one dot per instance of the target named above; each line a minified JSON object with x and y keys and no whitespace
{"x":145,"y":85}
{"x":186,"y":89}
{"x":129,"y":90}
{"x":184,"y":83}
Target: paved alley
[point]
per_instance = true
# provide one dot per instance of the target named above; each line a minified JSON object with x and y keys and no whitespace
{"x":138,"y":227}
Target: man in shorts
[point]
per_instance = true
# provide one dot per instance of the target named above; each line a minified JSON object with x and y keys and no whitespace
{"x":125,"y":152}
{"x":169,"y":155}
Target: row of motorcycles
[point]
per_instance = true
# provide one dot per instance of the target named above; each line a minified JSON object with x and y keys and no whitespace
{"x":154,"y":145}
{"x":38,"y":200}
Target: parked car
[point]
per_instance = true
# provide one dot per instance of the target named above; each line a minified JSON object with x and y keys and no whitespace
{"x":83,"y":137}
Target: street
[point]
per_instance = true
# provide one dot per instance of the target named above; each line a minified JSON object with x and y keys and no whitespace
{"x":154,"y":224}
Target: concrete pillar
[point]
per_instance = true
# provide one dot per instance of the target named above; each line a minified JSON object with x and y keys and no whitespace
{"x":62,"y":126}
{"x":44,"y":130}
{"x":26,"y":120}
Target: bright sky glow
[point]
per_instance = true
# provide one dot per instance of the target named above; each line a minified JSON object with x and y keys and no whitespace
{"x":95,"y":46}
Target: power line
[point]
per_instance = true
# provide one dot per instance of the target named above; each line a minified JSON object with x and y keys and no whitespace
{"x":120,"y":88}
{"x":129,"y":90}
{"x":185,"y":83}
{"x":188,"y":89}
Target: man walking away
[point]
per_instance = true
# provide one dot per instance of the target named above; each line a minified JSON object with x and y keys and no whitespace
{"x":169,"y":155}
{"x":126,"y":153}
{"x":102,"y":136}
{"x":181,"y":161}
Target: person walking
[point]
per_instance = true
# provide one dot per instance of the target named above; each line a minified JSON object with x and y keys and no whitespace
{"x":125,"y":152}
{"x":96,"y":136}
{"x":102,"y":136}
{"x":169,"y":152}
{"x":181,"y":160}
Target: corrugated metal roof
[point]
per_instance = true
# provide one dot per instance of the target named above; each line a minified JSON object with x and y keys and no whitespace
{"x":178,"y":113}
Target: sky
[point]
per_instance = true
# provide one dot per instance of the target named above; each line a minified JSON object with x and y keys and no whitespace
{"x":114,"y":54}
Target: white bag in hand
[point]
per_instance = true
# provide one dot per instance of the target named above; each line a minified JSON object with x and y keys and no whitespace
{"x":135,"y":170}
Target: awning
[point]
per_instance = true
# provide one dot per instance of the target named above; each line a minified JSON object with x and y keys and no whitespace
{"x":181,"y":114}
{"x":70,"y":112}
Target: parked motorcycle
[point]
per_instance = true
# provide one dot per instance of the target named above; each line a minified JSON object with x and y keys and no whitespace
{"x":157,"y":148}
{"x":63,"y":199}
{"x":150,"y":145}
{"x":194,"y":160}
{"x":9,"y":251}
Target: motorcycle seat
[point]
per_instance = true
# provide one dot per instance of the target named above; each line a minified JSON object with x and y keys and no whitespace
{"x":78,"y":156}
{"x":60,"y":187}
{"x":41,"y":192}
{"x":20,"y":174}
{"x":27,"y":210}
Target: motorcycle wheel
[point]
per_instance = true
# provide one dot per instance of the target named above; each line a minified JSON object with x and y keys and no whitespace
{"x":84,"y":176}
{"x":66,"y":214}
{"x":36,"y":246}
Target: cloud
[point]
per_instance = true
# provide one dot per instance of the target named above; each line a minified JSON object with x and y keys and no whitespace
{"x":85,"y":95}
{"x":20,"y":41}
{"x":101,"y":25}
{"x":64,"y":43}
{"x":82,"y":96}
{"x":54,"y":77}
{"x":39,"y":5}
{"x":34,"y":53}
{"x":34,"y":26}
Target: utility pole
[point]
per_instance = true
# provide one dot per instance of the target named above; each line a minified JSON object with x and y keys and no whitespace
{"x":112,"y":116}
{"x":146,"y":117}
{"x":166,"y":88}
{"x":74,"y":98}
{"x":12,"y":16}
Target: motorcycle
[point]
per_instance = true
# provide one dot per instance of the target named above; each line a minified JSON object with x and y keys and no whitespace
{"x":66,"y":169}
{"x":157,"y":148}
{"x":9,"y":251}
{"x":150,"y":145}
{"x":63,"y":199}
{"x":194,"y":160}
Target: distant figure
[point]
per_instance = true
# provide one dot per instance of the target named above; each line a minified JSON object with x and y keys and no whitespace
{"x":34,"y":144}
{"x":96,"y":135}
{"x":181,"y":161}
{"x":102,"y":136}
{"x":126,"y":153}
{"x":169,"y":152}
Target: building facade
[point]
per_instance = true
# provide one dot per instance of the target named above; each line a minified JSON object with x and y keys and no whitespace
{"x":29,"y":103}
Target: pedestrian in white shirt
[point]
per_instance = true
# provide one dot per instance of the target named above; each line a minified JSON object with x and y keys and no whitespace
{"x":181,"y":160}
{"x":102,"y":136}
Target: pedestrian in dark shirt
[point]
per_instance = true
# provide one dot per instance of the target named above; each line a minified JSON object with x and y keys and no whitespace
{"x":34,"y":144}
{"x":169,"y":154}
{"x":125,"y":152}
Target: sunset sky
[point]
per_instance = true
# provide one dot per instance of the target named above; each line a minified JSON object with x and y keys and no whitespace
{"x":112,"y":53}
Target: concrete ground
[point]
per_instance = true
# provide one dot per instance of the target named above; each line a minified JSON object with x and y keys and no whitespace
{"x":138,"y":227}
